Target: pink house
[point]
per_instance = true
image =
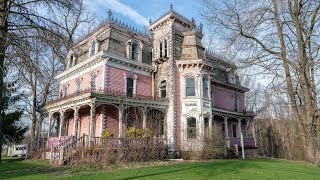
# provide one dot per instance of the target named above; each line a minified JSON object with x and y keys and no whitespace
{"x":119,"y":78}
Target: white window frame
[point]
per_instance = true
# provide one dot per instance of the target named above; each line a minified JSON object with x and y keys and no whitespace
{"x":134,"y":77}
{"x":96,"y":50}
{"x":78,"y":85}
{"x":195,"y":86}
{"x":139,"y":49}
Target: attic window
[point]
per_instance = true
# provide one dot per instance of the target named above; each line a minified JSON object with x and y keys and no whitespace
{"x":93,"y":48}
{"x":231,"y":78}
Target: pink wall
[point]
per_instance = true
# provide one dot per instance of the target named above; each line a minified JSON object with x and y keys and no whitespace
{"x":112,"y":120}
{"x":70,"y":125}
{"x":84,"y":115}
{"x":116,"y":81}
{"x":224,"y":99}
{"x":86,"y":81}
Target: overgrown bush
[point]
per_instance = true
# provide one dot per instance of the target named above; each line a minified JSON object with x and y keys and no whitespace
{"x":107,"y":134}
{"x":139,"y":133}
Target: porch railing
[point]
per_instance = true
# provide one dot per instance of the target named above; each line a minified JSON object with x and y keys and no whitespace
{"x":247,"y":141}
{"x":108,"y":92}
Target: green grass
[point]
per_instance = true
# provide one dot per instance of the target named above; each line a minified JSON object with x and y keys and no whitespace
{"x":13,"y":168}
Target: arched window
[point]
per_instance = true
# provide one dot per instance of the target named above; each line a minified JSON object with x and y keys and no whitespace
{"x":190,"y":86}
{"x":165,"y":48}
{"x":205,"y":88}
{"x":163,"y":89}
{"x":191,"y":128}
{"x":130,"y":87}
{"x":134,"y":51}
{"x":93,"y":48}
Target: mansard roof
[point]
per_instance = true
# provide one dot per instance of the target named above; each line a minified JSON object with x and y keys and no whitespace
{"x":117,"y":22}
{"x":223,"y":61}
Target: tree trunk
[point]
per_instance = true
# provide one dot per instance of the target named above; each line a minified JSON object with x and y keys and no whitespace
{"x":4,"y":9}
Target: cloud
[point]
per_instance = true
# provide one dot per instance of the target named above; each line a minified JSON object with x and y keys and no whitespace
{"x":119,"y":7}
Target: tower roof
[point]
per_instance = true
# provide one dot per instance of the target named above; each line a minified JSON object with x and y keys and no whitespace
{"x":171,"y":13}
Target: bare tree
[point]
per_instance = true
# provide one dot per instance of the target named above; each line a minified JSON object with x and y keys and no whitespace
{"x":282,"y":38}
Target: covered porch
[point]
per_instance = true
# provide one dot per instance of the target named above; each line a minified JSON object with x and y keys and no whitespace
{"x":91,"y":113}
{"x":237,"y":128}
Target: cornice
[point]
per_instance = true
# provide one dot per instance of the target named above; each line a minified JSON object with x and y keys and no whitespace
{"x":125,"y":61}
{"x":100,"y":57}
{"x":81,"y":66}
{"x":230,"y":86}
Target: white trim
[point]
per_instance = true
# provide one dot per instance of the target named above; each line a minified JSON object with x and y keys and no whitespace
{"x":135,"y":77}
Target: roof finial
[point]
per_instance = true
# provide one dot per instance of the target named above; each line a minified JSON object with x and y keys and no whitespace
{"x":110,"y":14}
{"x":150,"y":21}
{"x":171,"y":7}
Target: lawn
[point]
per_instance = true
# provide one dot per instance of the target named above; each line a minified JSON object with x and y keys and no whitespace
{"x":217,"y":169}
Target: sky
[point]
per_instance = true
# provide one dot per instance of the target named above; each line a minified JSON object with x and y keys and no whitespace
{"x":138,"y":12}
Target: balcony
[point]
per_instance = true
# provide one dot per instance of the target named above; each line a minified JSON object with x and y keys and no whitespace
{"x":108,"y":92}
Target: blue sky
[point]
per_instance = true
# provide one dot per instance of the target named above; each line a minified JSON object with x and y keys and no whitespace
{"x":138,"y":12}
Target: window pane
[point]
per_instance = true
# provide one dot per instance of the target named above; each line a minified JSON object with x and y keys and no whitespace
{"x":130,"y":87}
{"x":165,"y":48}
{"x":163,"y":89}
{"x":192,"y":127}
{"x":205,"y":88}
{"x":190,"y":87}
{"x":134,"y":51}
{"x":93,"y":48}
{"x":161,"y":49}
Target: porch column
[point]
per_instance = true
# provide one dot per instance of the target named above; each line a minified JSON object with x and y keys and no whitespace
{"x":91,"y":123}
{"x":144,"y":120}
{"x":241,"y":137}
{"x":226,"y":131}
{"x":210,"y":126}
{"x":253,"y":131}
{"x":61,"y":123}
{"x":120,"y":112}
{"x":103,"y":116}
{"x":75,"y":121}
{"x":49,"y":126}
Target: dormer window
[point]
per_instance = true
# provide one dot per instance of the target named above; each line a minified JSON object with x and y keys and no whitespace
{"x":134,"y":51}
{"x":72,"y":61}
{"x":231,"y":77}
{"x":93,"y":48}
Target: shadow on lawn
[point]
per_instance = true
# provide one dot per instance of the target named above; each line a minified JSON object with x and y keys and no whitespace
{"x":18,"y":168}
{"x":212,"y":168}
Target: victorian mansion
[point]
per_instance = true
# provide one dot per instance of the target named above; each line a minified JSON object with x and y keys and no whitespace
{"x":118,"y":77}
